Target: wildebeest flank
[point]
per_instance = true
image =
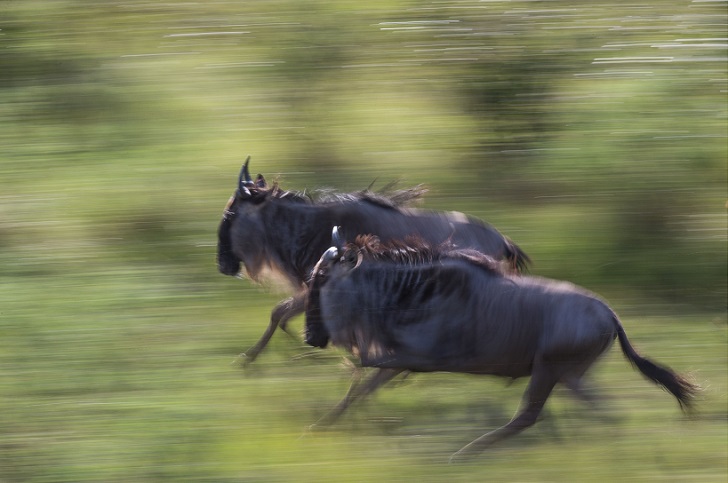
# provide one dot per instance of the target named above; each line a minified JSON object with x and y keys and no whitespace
{"x":267,"y":228}
{"x":409,"y":306}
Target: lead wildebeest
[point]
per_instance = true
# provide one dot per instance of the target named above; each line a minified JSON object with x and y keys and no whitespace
{"x":409,"y":306}
{"x":265,"y":228}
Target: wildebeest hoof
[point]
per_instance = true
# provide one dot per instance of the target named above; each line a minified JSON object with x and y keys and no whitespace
{"x":242,"y":361}
{"x":461,"y":456}
{"x":317,"y":427}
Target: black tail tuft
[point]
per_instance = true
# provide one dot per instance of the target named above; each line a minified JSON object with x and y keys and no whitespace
{"x":683,"y":390}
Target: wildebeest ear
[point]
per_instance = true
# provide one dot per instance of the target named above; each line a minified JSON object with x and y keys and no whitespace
{"x":260,"y":181}
{"x":353,"y":258}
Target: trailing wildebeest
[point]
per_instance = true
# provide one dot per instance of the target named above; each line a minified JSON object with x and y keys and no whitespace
{"x":409,"y":306}
{"x":269,"y":228}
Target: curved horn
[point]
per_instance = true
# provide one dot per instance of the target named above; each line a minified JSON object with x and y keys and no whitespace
{"x":244,"y":177}
{"x":336,"y":239}
{"x":335,"y":250}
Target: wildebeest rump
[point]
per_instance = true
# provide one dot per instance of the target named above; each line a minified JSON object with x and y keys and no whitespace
{"x":267,"y":228}
{"x":409,"y":306}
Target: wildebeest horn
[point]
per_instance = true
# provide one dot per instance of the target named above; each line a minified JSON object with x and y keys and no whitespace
{"x":244,"y":177}
{"x":336,"y":238}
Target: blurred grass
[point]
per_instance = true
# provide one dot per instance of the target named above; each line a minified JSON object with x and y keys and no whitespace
{"x":593,"y":135}
{"x":149,"y":394}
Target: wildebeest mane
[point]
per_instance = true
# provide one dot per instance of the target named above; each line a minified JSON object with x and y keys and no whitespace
{"x":387,"y":196}
{"x":415,"y":251}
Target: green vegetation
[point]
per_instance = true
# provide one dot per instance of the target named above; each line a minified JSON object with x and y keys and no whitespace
{"x":594,"y":136}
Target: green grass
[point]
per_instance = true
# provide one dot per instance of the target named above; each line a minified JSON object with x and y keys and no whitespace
{"x":118,"y":379}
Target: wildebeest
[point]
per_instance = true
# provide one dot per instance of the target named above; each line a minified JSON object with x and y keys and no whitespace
{"x":267,"y":228}
{"x":411,"y":306}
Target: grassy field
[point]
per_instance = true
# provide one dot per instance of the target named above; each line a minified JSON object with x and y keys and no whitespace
{"x":104,"y":379}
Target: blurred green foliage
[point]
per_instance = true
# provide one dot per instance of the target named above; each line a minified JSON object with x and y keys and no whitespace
{"x":615,"y":115}
{"x":593,"y":135}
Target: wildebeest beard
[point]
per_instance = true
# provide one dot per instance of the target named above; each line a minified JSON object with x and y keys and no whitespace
{"x":227,"y":262}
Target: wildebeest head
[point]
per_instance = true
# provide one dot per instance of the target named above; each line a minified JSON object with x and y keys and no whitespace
{"x":337,"y":258}
{"x":265,"y":227}
{"x":242,"y":222}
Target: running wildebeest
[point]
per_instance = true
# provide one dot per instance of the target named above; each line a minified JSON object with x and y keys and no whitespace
{"x":412,"y":306}
{"x":269,"y":229}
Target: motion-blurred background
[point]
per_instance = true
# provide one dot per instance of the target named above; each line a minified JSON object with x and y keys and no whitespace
{"x":593,"y":135}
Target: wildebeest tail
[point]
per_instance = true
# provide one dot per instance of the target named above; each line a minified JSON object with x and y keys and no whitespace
{"x":683,"y":390}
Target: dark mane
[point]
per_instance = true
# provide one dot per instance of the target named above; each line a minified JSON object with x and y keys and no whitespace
{"x":387,"y":197}
{"x":415,"y":251}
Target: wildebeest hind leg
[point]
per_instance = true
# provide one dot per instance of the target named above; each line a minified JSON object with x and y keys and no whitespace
{"x":282,"y":313}
{"x":595,"y":401}
{"x":543,"y":380}
{"x":583,"y":391}
{"x":356,"y":391}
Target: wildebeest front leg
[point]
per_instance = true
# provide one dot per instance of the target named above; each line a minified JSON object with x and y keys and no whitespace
{"x":539,"y":388}
{"x":282,"y":313}
{"x":358,"y":390}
